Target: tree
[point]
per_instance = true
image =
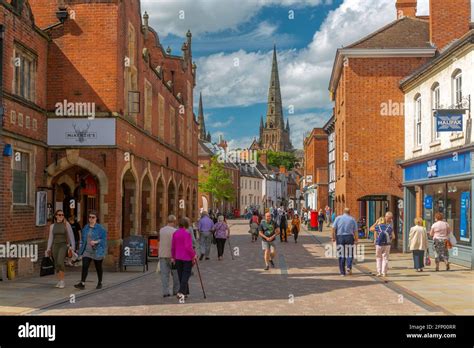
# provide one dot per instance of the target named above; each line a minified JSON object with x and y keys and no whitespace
{"x":217,"y":182}
{"x":278,"y":159}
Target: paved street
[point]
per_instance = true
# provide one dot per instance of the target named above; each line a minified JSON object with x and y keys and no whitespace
{"x":303,"y":283}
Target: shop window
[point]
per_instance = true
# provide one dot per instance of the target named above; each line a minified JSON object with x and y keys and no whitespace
{"x":454,"y":201}
{"x":20,"y":177}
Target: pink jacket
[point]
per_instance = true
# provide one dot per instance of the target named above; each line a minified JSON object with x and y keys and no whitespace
{"x":182,"y":245}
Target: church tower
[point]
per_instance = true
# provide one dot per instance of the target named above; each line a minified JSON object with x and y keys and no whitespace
{"x":273,"y":134}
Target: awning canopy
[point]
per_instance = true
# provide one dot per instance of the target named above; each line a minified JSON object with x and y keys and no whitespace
{"x":376,"y":197}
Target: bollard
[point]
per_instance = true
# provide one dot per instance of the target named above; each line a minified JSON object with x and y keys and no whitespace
{"x":11,"y":269}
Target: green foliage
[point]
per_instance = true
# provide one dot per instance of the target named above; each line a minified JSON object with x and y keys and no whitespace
{"x":217,"y":182}
{"x":278,"y":159}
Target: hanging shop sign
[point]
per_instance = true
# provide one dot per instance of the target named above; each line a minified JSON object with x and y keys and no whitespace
{"x":449,"y":120}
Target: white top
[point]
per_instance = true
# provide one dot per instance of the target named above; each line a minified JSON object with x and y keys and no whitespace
{"x":418,"y":238}
{"x":166,"y":234}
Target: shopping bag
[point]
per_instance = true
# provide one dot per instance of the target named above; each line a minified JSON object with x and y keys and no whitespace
{"x":427,"y":260}
{"x":452,"y":239}
{"x":47,"y":266}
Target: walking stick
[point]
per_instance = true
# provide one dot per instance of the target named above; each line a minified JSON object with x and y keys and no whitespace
{"x":230,"y":247}
{"x":200,"y":279}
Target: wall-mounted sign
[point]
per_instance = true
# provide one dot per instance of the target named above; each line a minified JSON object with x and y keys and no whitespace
{"x":428,"y":202}
{"x":449,"y":120}
{"x":309,"y":178}
{"x":81,"y":131}
{"x":41,"y":208}
{"x":432,"y":169}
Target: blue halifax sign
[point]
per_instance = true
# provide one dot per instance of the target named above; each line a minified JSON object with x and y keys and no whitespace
{"x":449,"y":120}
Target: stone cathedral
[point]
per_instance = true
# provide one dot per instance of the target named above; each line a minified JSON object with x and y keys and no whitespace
{"x":274,"y":135}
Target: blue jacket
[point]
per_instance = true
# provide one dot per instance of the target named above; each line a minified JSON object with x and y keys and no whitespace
{"x":98,"y":233}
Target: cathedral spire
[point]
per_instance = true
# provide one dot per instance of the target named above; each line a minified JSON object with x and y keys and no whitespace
{"x":287,"y":124}
{"x":201,"y":125}
{"x":274,"y":107}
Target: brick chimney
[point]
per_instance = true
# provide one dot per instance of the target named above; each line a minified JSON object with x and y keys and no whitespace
{"x":406,"y":8}
{"x":449,"y":20}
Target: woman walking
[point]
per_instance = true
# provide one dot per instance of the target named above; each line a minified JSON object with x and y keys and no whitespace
{"x":321,"y":219}
{"x":383,"y":241}
{"x":93,"y":248}
{"x":295,"y":226}
{"x":60,"y":239}
{"x":418,"y":240}
{"x":183,"y":256}
{"x":440,"y":232}
{"x":221,"y":233}
{"x":254,"y":223}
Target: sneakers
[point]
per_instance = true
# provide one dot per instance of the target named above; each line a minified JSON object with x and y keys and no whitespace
{"x":266,"y":268}
{"x":99,"y":286}
{"x":57,"y":284}
{"x":201,"y":257}
{"x":349,"y":271}
{"x":61,"y":284}
{"x":80,"y":286}
{"x":379,"y":274}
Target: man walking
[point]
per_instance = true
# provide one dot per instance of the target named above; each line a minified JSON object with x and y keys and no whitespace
{"x":344,"y":233}
{"x":205,"y":234}
{"x":268,"y":230}
{"x":165,"y":236}
{"x":282,"y":223}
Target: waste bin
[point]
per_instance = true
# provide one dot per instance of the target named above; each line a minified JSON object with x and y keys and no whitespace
{"x":11,"y":269}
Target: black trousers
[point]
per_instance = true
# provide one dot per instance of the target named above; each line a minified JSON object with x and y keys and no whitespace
{"x":86,"y":261}
{"x":320,"y":225}
{"x":220,"y":246}
{"x":283,"y":227}
{"x":295,"y":233}
{"x":184,"y":273}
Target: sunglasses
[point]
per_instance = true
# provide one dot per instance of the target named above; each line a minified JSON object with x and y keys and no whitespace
{"x":59,"y":214}
{"x":92,"y":217}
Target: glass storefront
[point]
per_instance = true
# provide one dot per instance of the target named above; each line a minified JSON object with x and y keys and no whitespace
{"x":454,"y":201}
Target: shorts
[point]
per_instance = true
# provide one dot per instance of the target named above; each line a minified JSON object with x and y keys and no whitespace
{"x":268,"y":245}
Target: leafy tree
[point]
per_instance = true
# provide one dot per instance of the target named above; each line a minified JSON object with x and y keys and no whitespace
{"x":217,"y":182}
{"x":278,"y":159}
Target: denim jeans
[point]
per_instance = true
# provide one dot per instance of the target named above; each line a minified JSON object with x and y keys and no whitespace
{"x":165,"y":268}
{"x":205,"y":240}
{"x":345,"y":244}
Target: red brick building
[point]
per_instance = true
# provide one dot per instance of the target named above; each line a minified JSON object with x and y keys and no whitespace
{"x":133,"y":158}
{"x":369,"y":122}
{"x":316,"y":169}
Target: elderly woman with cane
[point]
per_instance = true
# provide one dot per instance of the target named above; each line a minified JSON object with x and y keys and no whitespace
{"x":183,"y":256}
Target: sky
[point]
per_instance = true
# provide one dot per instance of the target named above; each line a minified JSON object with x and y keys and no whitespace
{"x":232,"y":46}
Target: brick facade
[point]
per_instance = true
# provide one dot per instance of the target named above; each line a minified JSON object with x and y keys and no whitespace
{"x":102,"y":52}
{"x":449,"y":20}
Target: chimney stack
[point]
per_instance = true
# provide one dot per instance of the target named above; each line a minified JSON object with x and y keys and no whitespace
{"x":449,"y":20}
{"x":406,"y":8}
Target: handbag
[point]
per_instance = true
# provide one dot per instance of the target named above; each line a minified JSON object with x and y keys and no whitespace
{"x":427,"y":259}
{"x":452,"y":239}
{"x":47,"y":266}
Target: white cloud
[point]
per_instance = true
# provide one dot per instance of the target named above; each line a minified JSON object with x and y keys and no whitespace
{"x":239,"y":143}
{"x":203,"y":16}
{"x":303,"y":123}
{"x":222,"y":124}
{"x":304,"y":74}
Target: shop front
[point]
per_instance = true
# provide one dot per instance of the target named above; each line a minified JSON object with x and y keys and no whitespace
{"x":442,"y":184}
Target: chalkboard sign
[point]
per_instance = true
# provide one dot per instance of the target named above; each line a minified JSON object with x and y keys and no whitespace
{"x":134,"y":252}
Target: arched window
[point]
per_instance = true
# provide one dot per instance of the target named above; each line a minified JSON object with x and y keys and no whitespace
{"x":417,"y":119}
{"x":457,"y":87}
{"x":435,"y":105}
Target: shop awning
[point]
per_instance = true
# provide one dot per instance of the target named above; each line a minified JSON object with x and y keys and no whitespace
{"x":377,"y":198}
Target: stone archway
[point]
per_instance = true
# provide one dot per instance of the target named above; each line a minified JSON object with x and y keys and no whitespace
{"x":73,"y":159}
{"x":145,"y":210}
{"x":160,"y":204}
{"x":172,"y":198}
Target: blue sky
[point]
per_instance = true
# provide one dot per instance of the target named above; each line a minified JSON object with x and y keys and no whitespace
{"x":232,"y":47}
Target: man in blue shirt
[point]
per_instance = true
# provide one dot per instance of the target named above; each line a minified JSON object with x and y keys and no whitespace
{"x":344,"y":233}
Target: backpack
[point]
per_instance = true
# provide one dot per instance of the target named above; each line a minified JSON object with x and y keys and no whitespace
{"x":383,"y":237}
